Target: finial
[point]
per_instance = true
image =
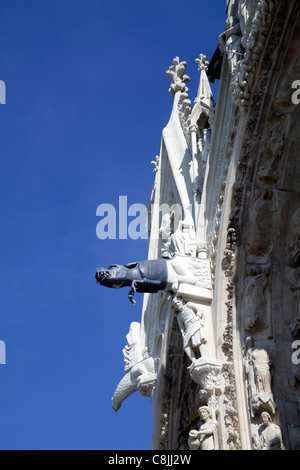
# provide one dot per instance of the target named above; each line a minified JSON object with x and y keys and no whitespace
{"x":202,"y":62}
{"x":155,"y":163}
{"x":176,"y":73}
{"x":204,"y":90}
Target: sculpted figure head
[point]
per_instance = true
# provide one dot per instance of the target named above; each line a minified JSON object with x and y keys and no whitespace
{"x":177,"y":303}
{"x":249,"y":342}
{"x":266,"y":418}
{"x":114,"y":276}
{"x":205,"y":413}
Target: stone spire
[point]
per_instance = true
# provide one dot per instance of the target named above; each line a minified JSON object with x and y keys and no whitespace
{"x":176,"y":73}
{"x":204,"y":90}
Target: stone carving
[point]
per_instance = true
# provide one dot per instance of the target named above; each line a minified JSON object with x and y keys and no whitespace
{"x":274,"y":153}
{"x":189,"y":318}
{"x":281,"y":311}
{"x":202,"y":62}
{"x":230,"y":42}
{"x":269,"y":435}
{"x":184,"y":106}
{"x":256,"y":306}
{"x":133,"y":351}
{"x":181,"y":241}
{"x":164,"y":425}
{"x":176,"y":73}
{"x":141,"y":370}
{"x":204,"y":103}
{"x":207,"y":437}
{"x":243,"y":82}
{"x":294,"y":243}
{"x":200,"y":126}
{"x":257,"y":368}
{"x":295,"y":330}
{"x":184,"y":111}
{"x":188,"y":406}
{"x":295,"y":327}
{"x":229,"y":397}
{"x":204,"y":370}
{"x":295,"y":288}
{"x":155,"y":164}
{"x":156,"y":275}
{"x":295,"y":376}
{"x":208,"y":374}
{"x":143,"y":276}
{"x":260,"y":226}
{"x":244,"y":9}
{"x":204,"y":148}
{"x":230,"y":401}
{"x":165,"y":231}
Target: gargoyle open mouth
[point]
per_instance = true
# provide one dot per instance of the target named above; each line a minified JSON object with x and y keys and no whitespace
{"x":101,"y":275}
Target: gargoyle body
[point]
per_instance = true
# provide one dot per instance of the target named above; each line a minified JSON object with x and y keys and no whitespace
{"x":143,"y":276}
{"x":155,"y":275}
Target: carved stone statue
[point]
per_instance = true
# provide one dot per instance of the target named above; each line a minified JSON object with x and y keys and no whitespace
{"x":165,"y":231}
{"x":259,"y":243}
{"x":207,"y":436}
{"x":256,"y":306}
{"x":269,"y":171}
{"x":257,"y":367}
{"x":295,"y":288}
{"x":181,"y":241}
{"x":295,"y":376}
{"x":245,"y":7}
{"x":189,"y":320}
{"x":133,"y":351}
{"x":230,"y":42}
{"x":155,"y":275}
{"x":142,"y":276}
{"x":140,"y":368}
{"x":269,"y":435}
{"x":294,"y":244}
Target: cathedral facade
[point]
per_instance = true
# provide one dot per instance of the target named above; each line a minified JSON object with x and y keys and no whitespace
{"x":218,"y":345}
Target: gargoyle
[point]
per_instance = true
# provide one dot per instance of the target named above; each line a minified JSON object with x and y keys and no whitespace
{"x":156,"y":275}
{"x":143,"y":276}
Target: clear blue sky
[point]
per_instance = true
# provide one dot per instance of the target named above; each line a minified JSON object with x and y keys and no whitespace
{"x":87,"y":99}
